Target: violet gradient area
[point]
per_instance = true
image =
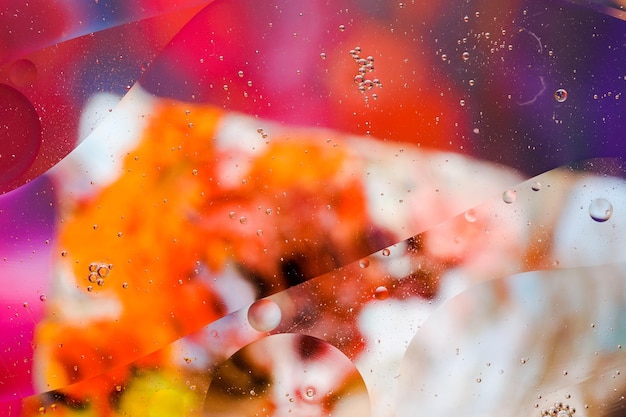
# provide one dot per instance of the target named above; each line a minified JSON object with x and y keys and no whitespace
{"x":27,"y":231}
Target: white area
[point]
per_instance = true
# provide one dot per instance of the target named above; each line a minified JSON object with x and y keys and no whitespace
{"x":97,"y":160}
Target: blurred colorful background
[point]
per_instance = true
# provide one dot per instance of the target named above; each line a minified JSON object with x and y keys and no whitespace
{"x":205,"y":204}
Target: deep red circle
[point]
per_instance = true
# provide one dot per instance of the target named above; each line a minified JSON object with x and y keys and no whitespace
{"x":20,"y":134}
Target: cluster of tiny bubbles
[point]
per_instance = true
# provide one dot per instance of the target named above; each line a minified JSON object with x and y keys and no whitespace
{"x":366,"y":65}
{"x":560,"y":95}
{"x":264,"y":315}
{"x":261,"y":132}
{"x":559,"y":410}
{"x":600,"y":210}
{"x":509,"y":196}
{"x":97,"y":273}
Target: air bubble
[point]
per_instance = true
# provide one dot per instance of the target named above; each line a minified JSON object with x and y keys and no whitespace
{"x":194,"y":172}
{"x":386,"y":252}
{"x":509,"y":196}
{"x":444,"y":57}
{"x":243,"y":220}
{"x":536,"y":186}
{"x":470,"y":216}
{"x":232,"y":215}
{"x":323,"y":55}
{"x":43,"y":297}
{"x":240,"y":74}
{"x":465,"y":56}
{"x":364,"y":263}
{"x":600,"y":210}
{"x":264,"y":315}
{"x":342,"y":28}
{"x":103,"y":270}
{"x":560,"y":95}
{"x":381,"y":293}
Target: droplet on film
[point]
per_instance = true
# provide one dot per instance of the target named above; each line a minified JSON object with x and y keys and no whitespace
{"x":22,"y":73}
{"x":381,"y":293}
{"x":470,"y":216}
{"x":536,"y":186}
{"x":264,"y":315}
{"x":509,"y":196}
{"x":560,"y":95}
{"x":600,"y":210}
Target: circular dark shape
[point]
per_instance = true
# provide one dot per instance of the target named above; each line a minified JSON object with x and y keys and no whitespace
{"x":20,"y":134}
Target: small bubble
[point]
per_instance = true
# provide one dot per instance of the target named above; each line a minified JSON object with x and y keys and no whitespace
{"x":386,"y":252}
{"x":323,"y":55}
{"x":124,"y":285}
{"x":100,"y":282}
{"x":465,"y":56}
{"x":478,"y":380}
{"x":600,"y":210}
{"x":43,"y":297}
{"x":118,"y":388}
{"x":89,"y":288}
{"x":364,"y":263}
{"x":259,"y":232}
{"x":194,"y":172}
{"x":42,"y":410}
{"x":225,"y":87}
{"x":342,"y":28}
{"x":560,"y":95}
{"x":240,"y":74}
{"x":444,"y":57}
{"x":536,"y":186}
{"x":310,"y":392}
{"x":103,"y":270}
{"x":268,"y":211}
{"x":466,"y":18}
{"x":243,"y":220}
{"x":64,"y":253}
{"x":264,"y":315}
{"x":509,"y":196}
{"x":470,"y":215}
{"x":381,"y":293}
{"x":471,"y":83}
{"x":232,"y":215}
{"x":462,"y":103}
{"x":93,"y":267}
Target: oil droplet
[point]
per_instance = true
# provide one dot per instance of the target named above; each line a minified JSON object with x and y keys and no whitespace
{"x":560,"y":95}
{"x":509,"y":196}
{"x":22,"y":73}
{"x":386,"y":252}
{"x":381,"y":293}
{"x":536,"y":186}
{"x":470,"y":215}
{"x":264,"y":315}
{"x":600,"y":210}
{"x":364,"y":263}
